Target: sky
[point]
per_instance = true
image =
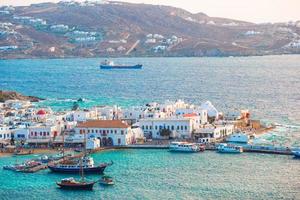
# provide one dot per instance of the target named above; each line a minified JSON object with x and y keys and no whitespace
{"x":258,"y":11}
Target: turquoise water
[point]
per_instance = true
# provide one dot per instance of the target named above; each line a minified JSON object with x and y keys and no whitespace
{"x":269,"y":85}
{"x":159,"y":174}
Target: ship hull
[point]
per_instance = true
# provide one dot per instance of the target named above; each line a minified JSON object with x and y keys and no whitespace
{"x":121,"y":67}
{"x":86,"y":186}
{"x":91,"y":170}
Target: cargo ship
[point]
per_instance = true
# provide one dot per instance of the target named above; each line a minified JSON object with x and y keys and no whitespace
{"x":107,"y":64}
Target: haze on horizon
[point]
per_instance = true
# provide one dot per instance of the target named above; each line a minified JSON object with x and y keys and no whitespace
{"x":258,"y":11}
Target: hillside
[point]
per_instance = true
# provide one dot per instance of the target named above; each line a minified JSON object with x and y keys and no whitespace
{"x":70,"y":29}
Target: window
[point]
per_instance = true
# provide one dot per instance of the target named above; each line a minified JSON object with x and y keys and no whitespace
{"x":181,"y":127}
{"x":88,"y":131}
{"x":155,"y":127}
{"x":143,"y":127}
{"x":150,"y":127}
{"x":92,"y":130}
{"x":172,"y":127}
{"x":122,"y":132}
{"x":111,"y":131}
{"x":115,"y":131}
{"x":146,"y":127}
{"x":119,"y":141}
{"x":48,"y":133}
{"x":177,"y":127}
{"x":185,"y":127}
{"x":96,"y":131}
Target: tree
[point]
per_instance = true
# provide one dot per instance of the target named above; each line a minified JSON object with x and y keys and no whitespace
{"x":165,"y":132}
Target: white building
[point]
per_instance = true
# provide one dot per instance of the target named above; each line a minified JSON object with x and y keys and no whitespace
{"x":5,"y":133}
{"x":84,"y":115}
{"x":110,"y":132}
{"x":42,"y":134}
{"x":211,"y":133}
{"x":179,"y":127}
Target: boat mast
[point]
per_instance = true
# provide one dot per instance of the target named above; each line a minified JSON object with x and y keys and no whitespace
{"x":63,"y":145}
{"x":83,"y":157}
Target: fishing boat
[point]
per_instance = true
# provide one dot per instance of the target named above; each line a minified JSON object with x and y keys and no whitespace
{"x":296,"y":154}
{"x":106,"y":180}
{"x":107,"y":64}
{"x":72,"y":184}
{"x":229,"y":148}
{"x":185,"y":147}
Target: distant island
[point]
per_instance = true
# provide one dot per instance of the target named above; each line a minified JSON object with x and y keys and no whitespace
{"x":115,"y":29}
{"x":11,"y":95}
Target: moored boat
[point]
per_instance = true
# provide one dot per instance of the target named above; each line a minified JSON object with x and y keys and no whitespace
{"x":110,"y":65}
{"x":88,"y":166}
{"x":106,"y":180}
{"x":296,"y":154}
{"x":229,"y":148}
{"x":72,"y":184}
{"x":185,"y":147}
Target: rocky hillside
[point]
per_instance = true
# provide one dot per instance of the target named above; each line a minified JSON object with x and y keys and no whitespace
{"x":71,"y":29}
{"x":10,"y":95}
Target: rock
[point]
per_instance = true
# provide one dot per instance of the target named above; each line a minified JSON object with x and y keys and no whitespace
{"x":11,"y":95}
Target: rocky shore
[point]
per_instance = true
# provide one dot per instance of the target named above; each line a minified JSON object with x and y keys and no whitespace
{"x":11,"y":95}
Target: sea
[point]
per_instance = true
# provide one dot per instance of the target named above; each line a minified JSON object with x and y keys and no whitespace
{"x":269,"y":86}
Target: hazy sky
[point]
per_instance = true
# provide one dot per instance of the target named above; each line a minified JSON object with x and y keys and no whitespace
{"x":249,"y":10}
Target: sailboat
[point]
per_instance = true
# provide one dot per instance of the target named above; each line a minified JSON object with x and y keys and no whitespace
{"x":73,"y":184}
{"x":74,"y":166}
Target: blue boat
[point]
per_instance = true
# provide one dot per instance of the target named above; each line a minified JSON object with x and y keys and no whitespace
{"x":72,"y":167}
{"x":296,"y":154}
{"x":110,"y":65}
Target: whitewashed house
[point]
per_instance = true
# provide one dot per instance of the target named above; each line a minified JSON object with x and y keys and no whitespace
{"x":110,"y":132}
{"x":211,"y":133}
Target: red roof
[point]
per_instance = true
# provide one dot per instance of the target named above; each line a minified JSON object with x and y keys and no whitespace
{"x":103,"y":124}
{"x":41,"y":112}
{"x":190,"y":115}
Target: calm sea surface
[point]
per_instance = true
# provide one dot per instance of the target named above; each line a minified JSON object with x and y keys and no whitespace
{"x":159,"y":174}
{"x":269,"y":86}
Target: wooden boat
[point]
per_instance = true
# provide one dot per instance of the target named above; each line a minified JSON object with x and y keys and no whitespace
{"x":72,"y":184}
{"x":106,"y":180}
{"x":22,"y":153}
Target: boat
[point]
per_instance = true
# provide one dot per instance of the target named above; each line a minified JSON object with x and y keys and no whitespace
{"x":229,"y":148}
{"x":106,"y":180}
{"x":107,"y":64}
{"x":22,"y":153}
{"x":73,"y":166}
{"x":72,"y":184}
{"x":296,"y":154}
{"x":185,"y":147}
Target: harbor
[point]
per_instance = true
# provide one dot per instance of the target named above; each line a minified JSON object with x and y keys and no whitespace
{"x":135,"y":133}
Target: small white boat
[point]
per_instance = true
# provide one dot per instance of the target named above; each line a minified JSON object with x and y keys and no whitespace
{"x":185,"y":147}
{"x":229,"y":148}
